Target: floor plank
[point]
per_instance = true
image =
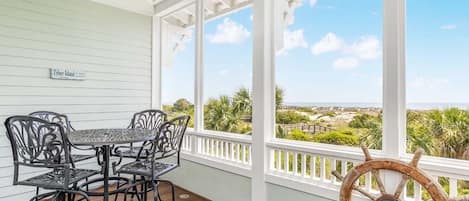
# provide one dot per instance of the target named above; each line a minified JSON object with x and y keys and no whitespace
{"x":165,"y":192}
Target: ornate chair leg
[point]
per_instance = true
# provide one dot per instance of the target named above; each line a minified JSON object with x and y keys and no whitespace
{"x":118,"y":183}
{"x":156,"y":194}
{"x":157,"y":190}
{"x":87,"y":186}
{"x":173,"y":191}
{"x":135,"y":180}
{"x":37,"y":193}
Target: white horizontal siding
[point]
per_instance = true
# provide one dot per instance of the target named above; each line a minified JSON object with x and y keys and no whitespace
{"x":113,"y":48}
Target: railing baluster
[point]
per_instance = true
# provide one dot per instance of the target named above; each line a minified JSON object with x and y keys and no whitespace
{"x":287,"y":164}
{"x":313,"y":166}
{"x":227,"y":151}
{"x":202,"y":145}
{"x":243,"y":153}
{"x":322,"y":168}
{"x":303,"y":165}
{"x":417,"y":191}
{"x":250,"y":154}
{"x":217,"y":148}
{"x":295,"y":163}
{"x":238,"y":154}
{"x":232,"y":151}
{"x":453,"y":187}
{"x":333,"y":168}
{"x":212,"y":146}
{"x":279,"y":160}
{"x":343,"y":167}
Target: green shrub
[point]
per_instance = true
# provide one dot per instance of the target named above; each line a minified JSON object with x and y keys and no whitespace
{"x":291,"y":117}
{"x":340,"y":137}
{"x":296,"y":134}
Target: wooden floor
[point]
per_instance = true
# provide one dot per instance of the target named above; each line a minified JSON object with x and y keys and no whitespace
{"x":165,"y":192}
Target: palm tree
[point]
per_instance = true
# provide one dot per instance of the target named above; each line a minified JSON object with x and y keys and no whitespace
{"x":450,"y":128}
{"x":418,"y":135}
{"x":219,"y":115}
{"x":278,"y":97}
{"x":242,"y":102}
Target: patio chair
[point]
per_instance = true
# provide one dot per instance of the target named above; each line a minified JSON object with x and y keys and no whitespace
{"x":65,"y":123}
{"x":166,"y":144}
{"x":40,"y":144}
{"x":147,"y":119}
{"x":62,"y":119}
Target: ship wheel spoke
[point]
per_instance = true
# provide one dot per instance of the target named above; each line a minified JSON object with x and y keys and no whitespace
{"x":375,"y":173}
{"x":413,"y":163}
{"x":356,"y":187}
{"x":379,"y":181}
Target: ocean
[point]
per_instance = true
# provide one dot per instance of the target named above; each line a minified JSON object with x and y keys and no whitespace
{"x":412,"y":106}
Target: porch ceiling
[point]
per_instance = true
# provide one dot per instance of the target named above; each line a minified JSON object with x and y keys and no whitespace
{"x":139,"y":6}
{"x":213,"y":8}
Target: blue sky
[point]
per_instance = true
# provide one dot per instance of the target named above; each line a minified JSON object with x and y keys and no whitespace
{"x":333,"y":53}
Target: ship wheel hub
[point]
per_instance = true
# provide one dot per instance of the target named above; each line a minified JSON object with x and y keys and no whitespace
{"x":387,"y":197}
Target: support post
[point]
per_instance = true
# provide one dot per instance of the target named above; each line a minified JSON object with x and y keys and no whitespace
{"x":394,"y":111}
{"x":264,"y":96}
{"x":199,"y":65}
{"x":156,"y":66}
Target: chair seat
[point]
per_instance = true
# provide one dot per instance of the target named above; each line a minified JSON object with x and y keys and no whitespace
{"x":129,"y":152}
{"x":56,"y":179}
{"x":78,"y":158}
{"x":143,"y":168}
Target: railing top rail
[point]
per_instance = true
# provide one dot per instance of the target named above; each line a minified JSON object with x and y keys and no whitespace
{"x":333,"y":151}
{"x":446,"y":167}
{"x":245,"y":139}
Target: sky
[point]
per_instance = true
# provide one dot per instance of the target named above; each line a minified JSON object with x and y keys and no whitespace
{"x":333,"y":54}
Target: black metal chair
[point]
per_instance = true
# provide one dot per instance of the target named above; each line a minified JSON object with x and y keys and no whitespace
{"x":166,"y":144}
{"x":147,"y":119}
{"x":62,"y":119}
{"x":37,"y":143}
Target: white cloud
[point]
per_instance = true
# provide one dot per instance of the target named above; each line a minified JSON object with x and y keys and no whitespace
{"x":229,"y":32}
{"x":292,"y":40}
{"x":346,"y":63}
{"x":329,"y":43}
{"x":313,"y":3}
{"x":448,"y":27}
{"x":366,"y":48}
{"x":223,"y":72}
{"x":429,"y":83}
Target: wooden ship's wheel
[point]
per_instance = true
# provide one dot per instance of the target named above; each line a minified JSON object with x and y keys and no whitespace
{"x":408,"y":171}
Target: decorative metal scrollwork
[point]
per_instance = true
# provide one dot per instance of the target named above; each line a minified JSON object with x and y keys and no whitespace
{"x":169,"y":139}
{"x":149,"y":119}
{"x":35,"y":141}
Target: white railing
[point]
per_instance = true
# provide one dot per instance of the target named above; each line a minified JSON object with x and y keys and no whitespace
{"x":230,"y":148}
{"x":299,"y":163}
{"x":313,"y":163}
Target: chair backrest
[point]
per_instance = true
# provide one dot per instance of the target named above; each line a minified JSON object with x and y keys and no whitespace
{"x":168,"y":141}
{"x":148,"y":119}
{"x":54,"y":117}
{"x":36,"y":143}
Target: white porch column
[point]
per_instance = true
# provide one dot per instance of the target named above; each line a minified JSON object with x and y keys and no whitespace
{"x":156,"y":63}
{"x":394,"y":119}
{"x":199,"y":66}
{"x":263,"y":95}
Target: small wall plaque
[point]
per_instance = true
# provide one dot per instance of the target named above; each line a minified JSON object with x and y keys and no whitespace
{"x":66,"y":74}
